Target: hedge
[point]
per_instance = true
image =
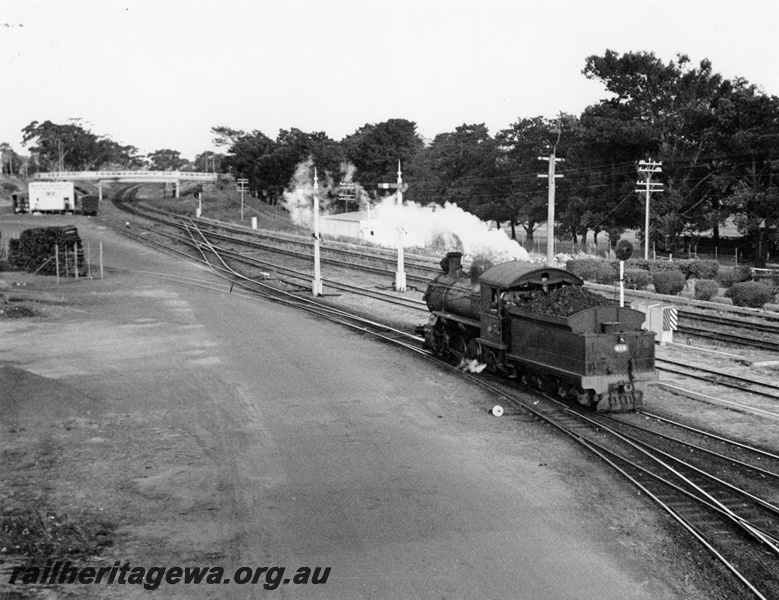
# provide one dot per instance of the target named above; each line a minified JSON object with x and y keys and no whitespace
{"x":592,"y":269}
{"x":637,"y":279}
{"x":727,"y":276}
{"x":749,"y":293}
{"x":706,"y":289}
{"x":700,"y":269}
{"x":669,"y":282}
{"x":605,"y":273}
{"x":584,"y":268}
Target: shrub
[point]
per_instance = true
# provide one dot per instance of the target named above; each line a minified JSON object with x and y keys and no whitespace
{"x":662,"y":266}
{"x":635,"y":264}
{"x":584,"y":268}
{"x":706,"y":289}
{"x":605,"y":273}
{"x":749,"y":293}
{"x":700,"y":269}
{"x":726,"y":277}
{"x":637,"y":279}
{"x":742,"y":273}
{"x":669,"y":282}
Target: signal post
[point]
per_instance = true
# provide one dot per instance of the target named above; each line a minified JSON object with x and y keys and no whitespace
{"x":400,"y":274}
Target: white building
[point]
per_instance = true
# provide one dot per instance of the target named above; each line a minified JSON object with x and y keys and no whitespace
{"x":366,"y":226}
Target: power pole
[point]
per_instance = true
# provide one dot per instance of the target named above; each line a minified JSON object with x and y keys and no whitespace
{"x":242,"y":183}
{"x":400,"y":274}
{"x":550,"y":208}
{"x":647,"y":168}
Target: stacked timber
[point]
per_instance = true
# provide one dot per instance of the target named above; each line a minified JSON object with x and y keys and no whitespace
{"x":42,"y":248}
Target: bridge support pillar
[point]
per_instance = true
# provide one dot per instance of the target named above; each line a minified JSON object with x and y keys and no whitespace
{"x":99,"y":189}
{"x":178,"y":188}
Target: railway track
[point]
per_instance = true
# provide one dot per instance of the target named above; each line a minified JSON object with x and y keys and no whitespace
{"x":733,"y":338}
{"x":737,"y":526}
{"x":731,"y":514}
{"x":769,"y":322}
{"x":736,"y":382}
{"x":419,"y":271}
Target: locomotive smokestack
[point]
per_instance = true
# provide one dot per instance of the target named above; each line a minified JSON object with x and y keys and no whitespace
{"x":452,"y":262}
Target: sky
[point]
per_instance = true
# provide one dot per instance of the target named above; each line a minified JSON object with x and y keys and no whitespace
{"x":160,"y":74}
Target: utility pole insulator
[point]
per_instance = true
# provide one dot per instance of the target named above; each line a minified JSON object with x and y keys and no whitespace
{"x":648,"y":168}
{"x":550,"y":208}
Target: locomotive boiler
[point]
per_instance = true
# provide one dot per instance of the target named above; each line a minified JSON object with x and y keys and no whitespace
{"x":540,"y":325}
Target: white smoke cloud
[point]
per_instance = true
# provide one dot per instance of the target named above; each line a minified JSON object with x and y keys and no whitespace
{"x":299,"y":193}
{"x":445,"y":228}
{"x":471,"y":366}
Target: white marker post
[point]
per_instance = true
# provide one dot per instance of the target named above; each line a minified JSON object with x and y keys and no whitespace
{"x":316,"y":286}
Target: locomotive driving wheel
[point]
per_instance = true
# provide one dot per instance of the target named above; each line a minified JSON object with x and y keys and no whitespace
{"x":457,"y":346}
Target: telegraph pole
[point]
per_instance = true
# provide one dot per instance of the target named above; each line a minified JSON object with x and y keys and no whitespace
{"x":550,"y":208}
{"x":400,"y":274}
{"x":648,"y":168}
{"x":316,"y":286}
{"x":242,"y":183}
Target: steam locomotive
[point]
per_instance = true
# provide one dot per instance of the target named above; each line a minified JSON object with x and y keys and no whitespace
{"x":540,"y":325}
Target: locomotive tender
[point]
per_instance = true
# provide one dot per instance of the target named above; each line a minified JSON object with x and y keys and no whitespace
{"x":598,"y":355}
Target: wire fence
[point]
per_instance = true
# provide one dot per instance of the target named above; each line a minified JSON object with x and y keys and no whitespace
{"x":82,"y":260}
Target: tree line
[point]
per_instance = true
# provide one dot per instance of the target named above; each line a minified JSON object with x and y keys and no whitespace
{"x":716,"y":138}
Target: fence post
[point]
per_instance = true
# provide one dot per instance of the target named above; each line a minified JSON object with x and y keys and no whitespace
{"x":89,"y":262}
{"x":101,"y":260}
{"x":75,"y":260}
{"x":57,"y":261}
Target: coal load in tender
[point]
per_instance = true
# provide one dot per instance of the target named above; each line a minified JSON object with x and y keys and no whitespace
{"x":36,"y":246}
{"x":563,"y":302}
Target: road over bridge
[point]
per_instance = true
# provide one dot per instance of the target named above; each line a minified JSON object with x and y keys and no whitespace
{"x":174,"y":177}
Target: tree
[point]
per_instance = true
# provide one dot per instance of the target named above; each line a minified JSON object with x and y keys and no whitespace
{"x":166,"y":160}
{"x":10,"y":162}
{"x":526,"y":196}
{"x":208,"y":162}
{"x":746,"y":131}
{"x":465,"y":166}
{"x":73,"y":148}
{"x":666,"y":111}
{"x":375,"y":150}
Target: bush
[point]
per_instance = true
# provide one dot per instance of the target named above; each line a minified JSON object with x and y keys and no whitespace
{"x":664,"y":266}
{"x":706,"y":289}
{"x":749,"y":293}
{"x":584,"y":268}
{"x":605,"y":273}
{"x":726,"y":277}
{"x":637,"y":279}
{"x":669,"y":282}
{"x":700,"y":269}
{"x":636,"y":264}
{"x":742,"y":273}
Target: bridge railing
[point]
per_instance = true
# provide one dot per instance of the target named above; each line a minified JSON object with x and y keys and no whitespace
{"x":56,"y":175}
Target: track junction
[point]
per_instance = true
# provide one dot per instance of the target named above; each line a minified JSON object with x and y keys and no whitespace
{"x":722,"y":492}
